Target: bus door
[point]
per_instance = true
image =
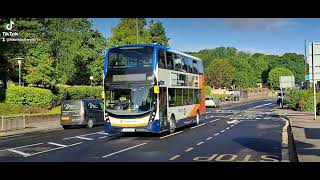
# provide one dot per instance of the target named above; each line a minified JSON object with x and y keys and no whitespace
{"x":163,"y":106}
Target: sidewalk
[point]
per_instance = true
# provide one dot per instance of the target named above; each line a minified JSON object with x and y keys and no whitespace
{"x":306,"y":134}
{"x":34,"y":127}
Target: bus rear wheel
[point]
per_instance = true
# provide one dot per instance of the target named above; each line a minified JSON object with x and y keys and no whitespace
{"x":197,"y":119}
{"x":172,"y":125}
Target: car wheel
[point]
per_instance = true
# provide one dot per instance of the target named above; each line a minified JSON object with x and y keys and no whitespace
{"x":90,"y":123}
{"x":172,"y":124}
{"x":66,"y":127}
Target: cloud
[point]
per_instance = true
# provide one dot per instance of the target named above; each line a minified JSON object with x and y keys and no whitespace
{"x":258,"y":23}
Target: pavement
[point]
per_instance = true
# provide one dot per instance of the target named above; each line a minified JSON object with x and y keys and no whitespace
{"x":243,"y":132}
{"x":306,"y":134}
{"x":33,"y":127}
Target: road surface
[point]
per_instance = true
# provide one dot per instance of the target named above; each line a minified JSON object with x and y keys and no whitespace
{"x":246,"y":132}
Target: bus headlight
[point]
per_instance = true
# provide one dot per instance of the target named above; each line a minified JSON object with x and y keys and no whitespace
{"x":152,"y":116}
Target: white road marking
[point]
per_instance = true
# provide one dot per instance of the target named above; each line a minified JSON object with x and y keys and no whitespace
{"x":171,"y":134}
{"x":85,"y":138}
{"x":19,"y":152}
{"x":284,"y":144}
{"x":174,"y":157}
{"x":227,"y":128}
{"x":103,"y":133}
{"x":60,"y":145}
{"x":232,"y":122}
{"x":209,"y":138}
{"x":84,"y":135}
{"x":123,"y":150}
{"x":198,"y":126}
{"x":200,"y":143}
{"x":222,"y":131}
{"x":53,"y":149}
{"x":26,"y":146}
{"x":215,"y":120}
{"x":260,"y":106}
{"x":257,"y":118}
{"x":216,"y":134}
{"x":187,"y":150}
{"x":102,"y":137}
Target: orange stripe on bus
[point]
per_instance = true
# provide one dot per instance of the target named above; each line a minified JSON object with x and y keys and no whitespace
{"x":194,"y":110}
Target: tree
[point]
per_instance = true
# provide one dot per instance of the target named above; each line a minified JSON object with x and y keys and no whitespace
{"x":275,"y":74}
{"x":126,"y":32}
{"x":158,"y":33}
{"x":219,"y":73}
{"x":259,"y":64}
{"x":39,"y":67}
{"x":244,"y":75}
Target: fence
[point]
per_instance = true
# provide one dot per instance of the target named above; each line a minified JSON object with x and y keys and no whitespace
{"x":21,"y":122}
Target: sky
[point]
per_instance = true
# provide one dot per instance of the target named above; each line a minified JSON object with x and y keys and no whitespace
{"x":253,"y":35}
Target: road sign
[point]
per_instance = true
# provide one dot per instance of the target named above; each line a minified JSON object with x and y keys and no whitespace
{"x":316,"y":60}
{"x":287,"y":82}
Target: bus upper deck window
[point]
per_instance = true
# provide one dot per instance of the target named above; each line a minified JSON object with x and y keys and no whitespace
{"x":195,"y":67}
{"x":169,"y":57}
{"x":162,"y":60}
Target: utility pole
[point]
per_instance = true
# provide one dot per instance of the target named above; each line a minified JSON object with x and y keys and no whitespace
{"x":314,"y":86}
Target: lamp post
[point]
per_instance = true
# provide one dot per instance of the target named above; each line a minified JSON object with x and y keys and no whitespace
{"x":19,"y":63}
{"x":91,"y":78}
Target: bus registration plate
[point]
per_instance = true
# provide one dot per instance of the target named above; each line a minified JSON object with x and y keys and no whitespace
{"x":128,"y":130}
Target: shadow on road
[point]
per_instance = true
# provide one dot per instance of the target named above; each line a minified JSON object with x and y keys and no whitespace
{"x":259,"y":144}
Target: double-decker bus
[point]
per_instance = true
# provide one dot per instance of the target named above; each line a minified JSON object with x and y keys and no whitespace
{"x":151,"y":88}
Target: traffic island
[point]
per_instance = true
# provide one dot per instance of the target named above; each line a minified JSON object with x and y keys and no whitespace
{"x":305,"y":132}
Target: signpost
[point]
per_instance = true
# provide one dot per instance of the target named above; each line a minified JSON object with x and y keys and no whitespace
{"x":314,"y":70}
{"x":286,"y":82}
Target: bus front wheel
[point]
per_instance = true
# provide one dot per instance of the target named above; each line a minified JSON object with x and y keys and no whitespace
{"x":197,"y":119}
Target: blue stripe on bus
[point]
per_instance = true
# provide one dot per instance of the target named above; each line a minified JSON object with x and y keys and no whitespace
{"x":106,"y":63}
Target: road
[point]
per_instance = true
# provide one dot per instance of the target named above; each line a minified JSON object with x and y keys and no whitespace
{"x":246,"y":132}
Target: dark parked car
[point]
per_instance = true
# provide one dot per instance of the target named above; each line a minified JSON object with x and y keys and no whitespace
{"x":86,"y":112}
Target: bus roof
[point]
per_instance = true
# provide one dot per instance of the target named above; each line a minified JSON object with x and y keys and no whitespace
{"x":159,"y":46}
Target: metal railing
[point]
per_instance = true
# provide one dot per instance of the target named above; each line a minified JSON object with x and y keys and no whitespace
{"x":12,"y":123}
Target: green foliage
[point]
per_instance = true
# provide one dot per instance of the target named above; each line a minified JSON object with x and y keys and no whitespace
{"x":244,"y":75}
{"x":31,"y":96}
{"x":2,"y":94}
{"x":84,"y":92}
{"x":301,"y":100}
{"x":18,"y":110}
{"x":126,"y":32}
{"x":68,"y":52}
{"x":275,"y":74}
{"x":219,"y":73}
{"x":207,"y":90}
{"x":39,"y":67}
{"x":158,"y":33}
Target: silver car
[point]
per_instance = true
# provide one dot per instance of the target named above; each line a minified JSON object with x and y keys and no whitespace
{"x":212,"y":102}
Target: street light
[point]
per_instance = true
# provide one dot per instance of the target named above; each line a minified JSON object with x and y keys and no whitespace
{"x":91,"y":78}
{"x":19,"y":63}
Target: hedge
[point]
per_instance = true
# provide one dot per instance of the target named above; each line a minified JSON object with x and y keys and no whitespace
{"x":301,"y":100}
{"x":2,"y":93}
{"x":32,"y":96}
{"x":82,"y":92}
